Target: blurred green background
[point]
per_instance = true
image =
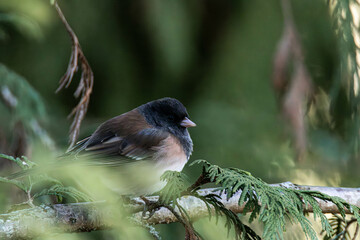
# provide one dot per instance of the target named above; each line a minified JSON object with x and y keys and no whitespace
{"x":214,"y":56}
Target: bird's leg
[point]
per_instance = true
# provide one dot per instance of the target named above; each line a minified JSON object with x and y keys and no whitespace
{"x":150,"y":206}
{"x":127,"y":199}
{"x":146,"y":201}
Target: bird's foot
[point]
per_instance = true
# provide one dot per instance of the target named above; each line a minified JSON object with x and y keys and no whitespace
{"x":150,"y":206}
{"x":127,"y":199}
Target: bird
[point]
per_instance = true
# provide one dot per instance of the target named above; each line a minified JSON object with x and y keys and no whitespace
{"x":139,"y":146}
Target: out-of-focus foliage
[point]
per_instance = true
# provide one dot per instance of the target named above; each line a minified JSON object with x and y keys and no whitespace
{"x":23,"y":111}
{"x":24,"y":25}
{"x":213,"y":56}
{"x":269,"y":205}
{"x":334,"y":115}
{"x":50,"y":185}
{"x":342,"y":228}
{"x":21,"y":99}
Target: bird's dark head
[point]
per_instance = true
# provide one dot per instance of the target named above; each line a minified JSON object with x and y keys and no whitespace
{"x":167,"y":113}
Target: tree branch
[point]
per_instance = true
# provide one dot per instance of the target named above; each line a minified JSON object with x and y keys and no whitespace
{"x":83,"y":217}
{"x":86,"y":83}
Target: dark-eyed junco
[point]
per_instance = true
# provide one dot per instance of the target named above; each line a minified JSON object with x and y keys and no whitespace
{"x":140,"y":145}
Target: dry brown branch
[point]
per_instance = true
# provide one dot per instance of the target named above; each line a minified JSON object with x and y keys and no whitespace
{"x":85,"y":86}
{"x":289,"y":51}
{"x":90,"y":216}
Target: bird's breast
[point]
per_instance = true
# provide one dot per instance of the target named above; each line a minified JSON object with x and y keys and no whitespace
{"x":143,"y":177}
{"x":170,"y":155}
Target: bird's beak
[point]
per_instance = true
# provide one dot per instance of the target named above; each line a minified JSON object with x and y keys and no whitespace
{"x":187,"y":123}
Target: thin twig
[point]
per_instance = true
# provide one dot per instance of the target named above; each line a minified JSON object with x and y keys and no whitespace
{"x":348,"y":223}
{"x":190,"y":233}
{"x":356,"y":232}
{"x":202,"y":180}
{"x":85,"y":86}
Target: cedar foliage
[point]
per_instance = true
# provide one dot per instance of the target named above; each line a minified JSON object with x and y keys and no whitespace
{"x":52,"y":185}
{"x":272,"y":206}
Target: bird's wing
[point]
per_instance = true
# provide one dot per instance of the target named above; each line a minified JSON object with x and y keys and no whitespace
{"x":116,"y":150}
{"x":123,"y":139}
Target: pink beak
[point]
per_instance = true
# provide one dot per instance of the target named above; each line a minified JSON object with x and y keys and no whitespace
{"x":187,"y":123}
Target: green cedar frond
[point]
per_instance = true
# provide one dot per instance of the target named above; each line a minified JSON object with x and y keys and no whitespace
{"x":22,"y":162}
{"x":273,"y":205}
{"x":232,"y":219}
{"x":27,"y":102}
{"x":346,"y":29}
{"x":22,"y":103}
{"x":55,"y":186}
{"x":177,"y":183}
{"x":340,"y":227}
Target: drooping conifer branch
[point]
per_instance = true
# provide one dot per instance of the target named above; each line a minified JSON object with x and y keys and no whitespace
{"x":86,"y":83}
{"x":82,"y":217}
